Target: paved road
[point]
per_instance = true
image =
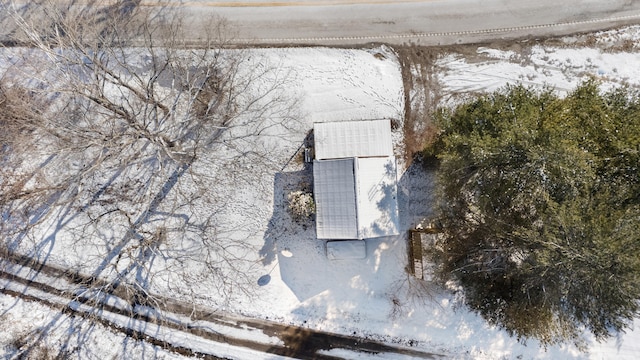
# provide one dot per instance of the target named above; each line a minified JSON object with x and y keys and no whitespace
{"x":423,"y":22}
{"x":426,"y":22}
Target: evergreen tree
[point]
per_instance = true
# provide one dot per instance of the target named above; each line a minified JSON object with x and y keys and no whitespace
{"x":541,"y":209}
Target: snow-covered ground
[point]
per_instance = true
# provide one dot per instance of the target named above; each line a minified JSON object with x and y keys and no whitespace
{"x":295,"y":283}
{"x":612,"y":59}
{"x":55,"y":335}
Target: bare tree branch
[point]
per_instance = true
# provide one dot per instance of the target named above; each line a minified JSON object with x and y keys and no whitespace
{"x":120,"y":132}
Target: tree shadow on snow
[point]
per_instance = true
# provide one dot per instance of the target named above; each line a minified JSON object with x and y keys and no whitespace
{"x":301,"y":258}
{"x":328,"y":288}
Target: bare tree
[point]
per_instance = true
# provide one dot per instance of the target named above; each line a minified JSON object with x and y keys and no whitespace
{"x":125,"y":130}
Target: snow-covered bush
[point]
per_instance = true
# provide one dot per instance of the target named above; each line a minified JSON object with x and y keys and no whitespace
{"x":301,"y":205}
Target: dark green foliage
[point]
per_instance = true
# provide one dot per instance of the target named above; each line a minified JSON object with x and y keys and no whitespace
{"x":541,"y":208}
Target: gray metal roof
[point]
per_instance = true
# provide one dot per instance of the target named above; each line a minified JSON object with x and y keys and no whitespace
{"x":355,"y":198}
{"x":366,"y":138}
{"x":355,"y":180}
{"x":335,"y":198}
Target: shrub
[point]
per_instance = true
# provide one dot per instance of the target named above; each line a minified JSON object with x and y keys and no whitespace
{"x":301,"y":205}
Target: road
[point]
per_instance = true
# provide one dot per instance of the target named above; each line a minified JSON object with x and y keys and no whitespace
{"x":426,"y":22}
{"x":173,"y":324}
{"x":355,"y":22}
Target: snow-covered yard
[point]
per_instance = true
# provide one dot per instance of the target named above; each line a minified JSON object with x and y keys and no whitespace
{"x":293,"y":280}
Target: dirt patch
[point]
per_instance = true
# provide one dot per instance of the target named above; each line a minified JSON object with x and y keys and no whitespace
{"x":422,"y":95}
{"x":423,"y":92}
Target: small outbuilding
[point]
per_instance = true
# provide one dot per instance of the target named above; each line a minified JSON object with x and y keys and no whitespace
{"x":355,"y":180}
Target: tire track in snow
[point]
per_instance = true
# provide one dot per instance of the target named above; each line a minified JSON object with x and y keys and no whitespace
{"x":72,"y":293}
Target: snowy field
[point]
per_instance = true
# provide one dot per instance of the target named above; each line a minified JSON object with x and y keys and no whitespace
{"x":612,"y":59}
{"x":293,"y":281}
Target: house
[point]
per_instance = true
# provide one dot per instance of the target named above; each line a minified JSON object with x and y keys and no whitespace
{"x":355,"y":178}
